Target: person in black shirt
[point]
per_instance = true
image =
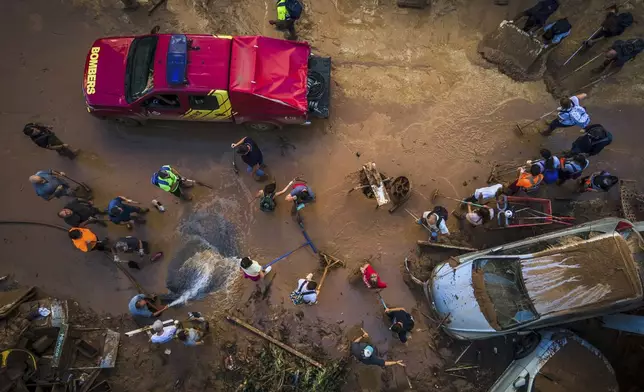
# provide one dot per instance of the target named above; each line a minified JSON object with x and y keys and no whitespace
{"x":43,"y":137}
{"x":538,"y":14}
{"x":402,"y":322}
{"x":368,"y":354}
{"x":131,"y":244}
{"x":612,"y":26}
{"x":594,"y":139}
{"x":251,"y":155}
{"x":81,"y":212}
{"x":620,"y":53}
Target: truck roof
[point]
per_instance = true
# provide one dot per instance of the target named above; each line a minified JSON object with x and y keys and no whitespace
{"x":208,"y":62}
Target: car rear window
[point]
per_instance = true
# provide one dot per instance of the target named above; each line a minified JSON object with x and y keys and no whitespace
{"x":636,"y":245}
{"x":499,"y":291}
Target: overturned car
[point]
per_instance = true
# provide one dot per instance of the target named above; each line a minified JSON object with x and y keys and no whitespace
{"x":582,"y":272}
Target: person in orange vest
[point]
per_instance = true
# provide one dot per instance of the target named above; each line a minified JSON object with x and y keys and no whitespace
{"x":527,"y":181}
{"x":85,"y":240}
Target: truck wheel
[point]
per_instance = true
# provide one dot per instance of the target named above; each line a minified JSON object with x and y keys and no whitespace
{"x":127,"y":121}
{"x":260,"y":126}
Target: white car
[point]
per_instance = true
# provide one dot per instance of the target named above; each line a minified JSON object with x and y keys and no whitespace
{"x":561,"y":361}
{"x":582,"y":272}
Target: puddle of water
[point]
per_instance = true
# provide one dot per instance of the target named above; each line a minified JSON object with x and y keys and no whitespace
{"x":207,"y":261}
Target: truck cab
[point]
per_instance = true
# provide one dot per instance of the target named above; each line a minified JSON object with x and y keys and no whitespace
{"x":257,"y":81}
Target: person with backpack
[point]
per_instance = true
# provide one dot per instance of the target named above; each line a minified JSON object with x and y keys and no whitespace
{"x":600,"y":181}
{"x":537,"y":15}
{"x":572,"y":168}
{"x":434,"y":220}
{"x":44,"y":137}
{"x":613,"y":25}
{"x":306,"y":291}
{"x":267,"y":197}
{"x":549,"y":166}
{"x":571,"y":113}
{"x":620,"y":53}
{"x":555,"y":32}
{"x":593,"y":141}
{"x":170,"y":180}
{"x":288,"y":11}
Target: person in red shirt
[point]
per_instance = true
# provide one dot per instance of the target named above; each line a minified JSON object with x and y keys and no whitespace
{"x":371,"y":278}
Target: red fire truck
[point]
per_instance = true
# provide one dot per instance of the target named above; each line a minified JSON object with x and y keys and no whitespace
{"x":257,"y":81}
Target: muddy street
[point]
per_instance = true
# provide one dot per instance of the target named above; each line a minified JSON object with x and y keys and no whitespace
{"x":409,"y":92}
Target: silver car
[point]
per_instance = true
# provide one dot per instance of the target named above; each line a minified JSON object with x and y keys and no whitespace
{"x":561,"y":361}
{"x":582,"y":272}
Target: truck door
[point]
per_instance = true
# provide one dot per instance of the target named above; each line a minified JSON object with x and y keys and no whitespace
{"x":211,"y":106}
{"x":163,"y":106}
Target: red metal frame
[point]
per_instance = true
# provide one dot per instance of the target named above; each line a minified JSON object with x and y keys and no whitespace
{"x":547,"y":209}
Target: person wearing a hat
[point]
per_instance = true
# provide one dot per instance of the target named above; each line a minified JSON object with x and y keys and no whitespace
{"x":600,"y":181}
{"x":162,"y":334}
{"x":367,"y":354}
{"x":401,"y":322}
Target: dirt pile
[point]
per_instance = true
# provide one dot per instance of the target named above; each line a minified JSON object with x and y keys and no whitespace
{"x":579,"y":274}
{"x":515,"y":52}
{"x":576,"y":368}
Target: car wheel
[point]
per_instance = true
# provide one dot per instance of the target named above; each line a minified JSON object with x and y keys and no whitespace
{"x":127,"y":121}
{"x":260,"y":126}
{"x":526,"y":345}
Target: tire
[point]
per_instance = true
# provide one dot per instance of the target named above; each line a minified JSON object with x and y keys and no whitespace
{"x":127,"y":121}
{"x":260,"y":126}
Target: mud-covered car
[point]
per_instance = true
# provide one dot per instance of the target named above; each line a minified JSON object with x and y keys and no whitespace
{"x":582,"y":272}
{"x":558,"y":361}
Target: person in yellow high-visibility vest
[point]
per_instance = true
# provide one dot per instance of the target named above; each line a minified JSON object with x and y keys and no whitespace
{"x":285,"y":18}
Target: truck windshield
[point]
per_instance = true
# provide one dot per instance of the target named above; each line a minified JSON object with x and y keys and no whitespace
{"x":499,"y":291}
{"x":139,"y":74}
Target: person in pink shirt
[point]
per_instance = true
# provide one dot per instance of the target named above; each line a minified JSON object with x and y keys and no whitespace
{"x":371,"y":278}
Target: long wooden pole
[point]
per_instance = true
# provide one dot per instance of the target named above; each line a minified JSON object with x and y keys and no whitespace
{"x":276,"y":342}
{"x":427,"y":243}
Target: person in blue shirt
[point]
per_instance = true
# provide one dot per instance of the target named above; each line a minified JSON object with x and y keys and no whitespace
{"x":555,"y":32}
{"x":120,"y":210}
{"x":572,"y":168}
{"x":142,"y":306}
{"x":251,"y":155}
{"x":49,"y":184}
{"x":571,"y":113}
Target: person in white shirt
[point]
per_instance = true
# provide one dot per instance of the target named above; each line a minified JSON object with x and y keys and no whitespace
{"x":306,"y":291}
{"x":162,"y":334}
{"x":479,"y":216}
{"x":434,"y":220}
{"x":253,"y":270}
{"x":482,"y":194}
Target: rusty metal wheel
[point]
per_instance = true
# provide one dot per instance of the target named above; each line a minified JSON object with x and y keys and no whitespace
{"x":400,"y":188}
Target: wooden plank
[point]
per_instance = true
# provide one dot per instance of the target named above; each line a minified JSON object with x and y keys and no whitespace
{"x":276,"y":342}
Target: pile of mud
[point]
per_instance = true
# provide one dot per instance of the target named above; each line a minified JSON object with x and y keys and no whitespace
{"x":576,"y":368}
{"x":515,"y":52}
